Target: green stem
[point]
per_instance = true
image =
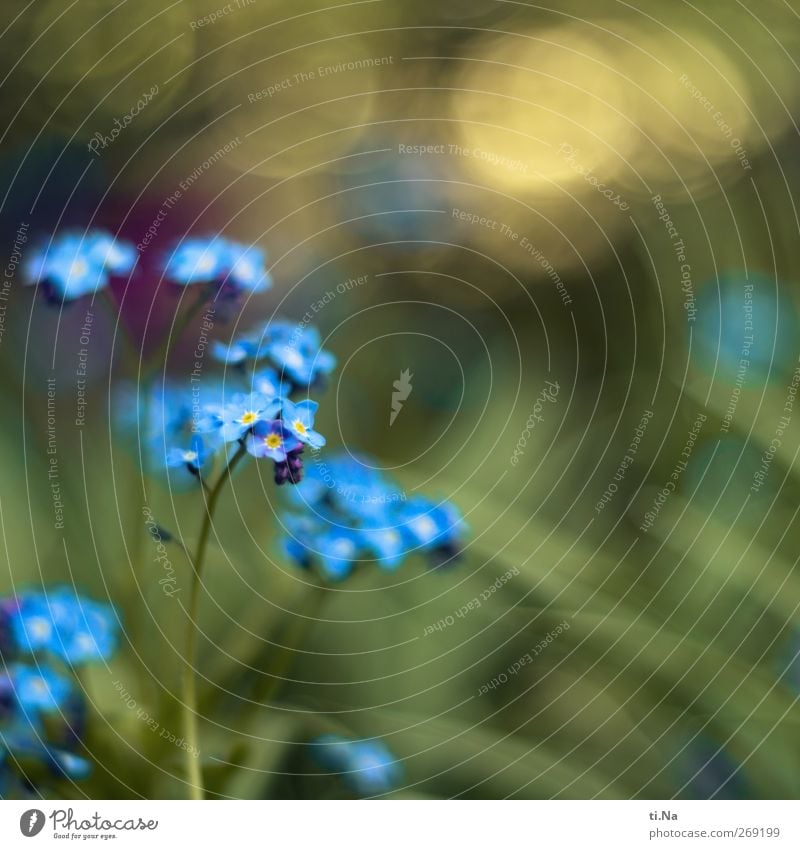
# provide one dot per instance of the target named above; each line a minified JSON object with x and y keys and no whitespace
{"x":193,"y":768}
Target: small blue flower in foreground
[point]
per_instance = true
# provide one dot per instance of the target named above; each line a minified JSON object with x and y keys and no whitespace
{"x":77,"y":264}
{"x":238,"y":417}
{"x":366,"y":766}
{"x":271,"y":439}
{"x":299,"y":419}
{"x":192,"y":458}
{"x":234,"y":267}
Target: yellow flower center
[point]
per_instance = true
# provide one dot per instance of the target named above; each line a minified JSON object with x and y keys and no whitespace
{"x":78,"y":268}
{"x":39,"y":627}
{"x":273,"y":441}
{"x":249,"y":418}
{"x":299,"y":427}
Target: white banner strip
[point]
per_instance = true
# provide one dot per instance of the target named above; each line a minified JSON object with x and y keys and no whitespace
{"x":404,"y":824}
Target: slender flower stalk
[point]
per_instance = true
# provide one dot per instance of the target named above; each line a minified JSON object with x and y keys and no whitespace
{"x":193,"y":767}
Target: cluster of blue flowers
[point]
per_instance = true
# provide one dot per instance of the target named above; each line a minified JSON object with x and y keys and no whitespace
{"x":44,"y":636}
{"x":351,"y":512}
{"x":291,"y":351}
{"x":73,"y":264}
{"x":367,"y":767}
{"x":186,"y":427}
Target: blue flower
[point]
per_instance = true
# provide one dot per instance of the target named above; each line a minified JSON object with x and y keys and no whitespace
{"x":266,"y":382}
{"x":237,"y":418}
{"x":246,"y":268}
{"x":299,"y":419}
{"x":238,"y":352}
{"x":300,"y":356}
{"x":31,"y":624}
{"x":156,"y":415}
{"x":42,"y":711}
{"x":235,"y":267}
{"x":197,"y":261}
{"x":76,"y":629}
{"x":92,"y":633}
{"x":39,"y":689}
{"x":366,"y":766}
{"x":432,"y":526}
{"x":167,"y":419}
{"x":73,"y":766}
{"x":73,"y":265}
{"x":271,"y":439}
{"x":348,"y":483}
{"x":194,"y":457}
{"x":334,"y":549}
{"x":24,"y":739}
{"x":337,"y":551}
{"x":386,"y":544}
{"x":115,"y":256}
{"x":347,"y":497}
{"x":293,"y":350}
{"x":272,"y":331}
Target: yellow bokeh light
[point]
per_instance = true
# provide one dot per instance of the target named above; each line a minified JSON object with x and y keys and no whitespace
{"x":525,"y":101}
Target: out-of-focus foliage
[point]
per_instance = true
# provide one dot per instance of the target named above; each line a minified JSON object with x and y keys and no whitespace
{"x":494,"y":197}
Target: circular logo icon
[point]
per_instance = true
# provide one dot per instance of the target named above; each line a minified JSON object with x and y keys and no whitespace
{"x":31,"y":822}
